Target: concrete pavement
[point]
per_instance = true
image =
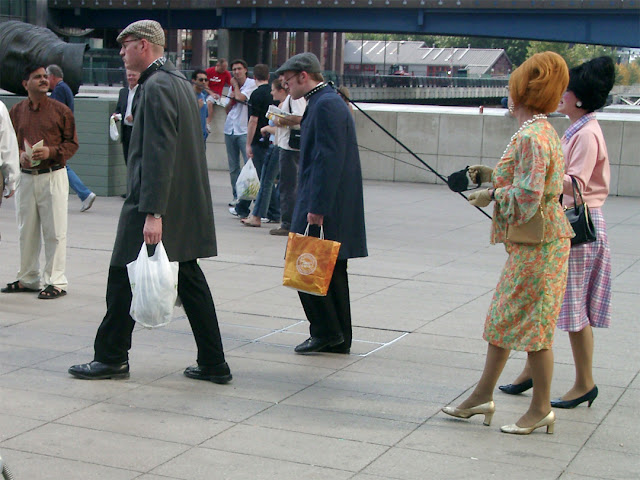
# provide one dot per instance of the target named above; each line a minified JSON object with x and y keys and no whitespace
{"x":418,"y":304}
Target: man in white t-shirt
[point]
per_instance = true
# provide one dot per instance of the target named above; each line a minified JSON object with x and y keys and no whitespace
{"x":288,"y":183}
{"x":235,"y":127}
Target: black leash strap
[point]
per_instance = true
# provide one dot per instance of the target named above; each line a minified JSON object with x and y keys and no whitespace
{"x":441,"y":177}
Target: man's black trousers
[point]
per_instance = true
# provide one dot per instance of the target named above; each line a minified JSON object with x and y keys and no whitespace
{"x":113,"y":339}
{"x":330,"y":316}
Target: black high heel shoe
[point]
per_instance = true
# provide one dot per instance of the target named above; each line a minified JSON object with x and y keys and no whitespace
{"x":590,"y":396}
{"x":516,"y":388}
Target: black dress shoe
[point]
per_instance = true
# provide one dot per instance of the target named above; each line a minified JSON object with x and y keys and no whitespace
{"x":340,"y":348}
{"x":100,"y":371}
{"x":516,"y":388}
{"x":590,"y":396}
{"x":314,"y":344}
{"x":217,"y":374}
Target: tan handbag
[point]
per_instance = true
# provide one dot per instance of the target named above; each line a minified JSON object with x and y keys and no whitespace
{"x":530,"y":233}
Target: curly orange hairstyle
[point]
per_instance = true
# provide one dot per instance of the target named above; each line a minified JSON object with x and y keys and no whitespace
{"x":540,"y":82}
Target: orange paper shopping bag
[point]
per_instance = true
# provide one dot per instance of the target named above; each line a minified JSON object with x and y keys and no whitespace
{"x":309,"y":263}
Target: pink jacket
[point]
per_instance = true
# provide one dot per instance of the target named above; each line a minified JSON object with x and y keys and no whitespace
{"x":586,"y":159}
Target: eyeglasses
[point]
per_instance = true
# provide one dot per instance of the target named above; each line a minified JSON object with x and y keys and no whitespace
{"x":201,"y":79}
{"x":124,"y":44}
{"x":286,"y":80}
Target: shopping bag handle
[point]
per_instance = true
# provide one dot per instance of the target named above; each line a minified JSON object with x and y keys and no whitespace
{"x":306,"y":231}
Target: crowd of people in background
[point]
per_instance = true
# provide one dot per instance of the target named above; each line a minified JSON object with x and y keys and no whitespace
{"x":308,"y":163}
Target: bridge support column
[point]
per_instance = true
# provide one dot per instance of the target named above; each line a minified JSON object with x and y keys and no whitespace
{"x":315,"y":44}
{"x":199,"y":53}
{"x":174,"y":45}
{"x":253,"y":47}
{"x":37,"y":12}
{"x":339,"y":56}
{"x":301,"y":42}
{"x":329,"y":49}
{"x":283,"y":48}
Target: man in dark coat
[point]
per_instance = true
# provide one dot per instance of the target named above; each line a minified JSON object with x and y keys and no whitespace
{"x":123,"y":108}
{"x":169,"y":200}
{"x":329,"y":194}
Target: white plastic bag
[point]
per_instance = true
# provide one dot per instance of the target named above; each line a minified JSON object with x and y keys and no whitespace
{"x":247,"y":185}
{"x":154,"y":285}
{"x":113,"y":129}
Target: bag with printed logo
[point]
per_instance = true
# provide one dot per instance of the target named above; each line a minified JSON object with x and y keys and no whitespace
{"x":309,"y":262}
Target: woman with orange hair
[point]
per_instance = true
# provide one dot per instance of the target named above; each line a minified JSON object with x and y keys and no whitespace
{"x":526,"y":184}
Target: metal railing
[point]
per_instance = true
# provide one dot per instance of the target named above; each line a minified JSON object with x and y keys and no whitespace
{"x":406,"y":81}
{"x":116,"y":77}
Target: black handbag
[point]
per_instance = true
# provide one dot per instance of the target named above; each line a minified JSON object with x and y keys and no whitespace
{"x":294,"y":138}
{"x":459,"y":181}
{"x":579,"y":218}
{"x":294,"y":133}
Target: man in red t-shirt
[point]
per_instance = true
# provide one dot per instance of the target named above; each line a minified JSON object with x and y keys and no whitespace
{"x":218,"y":77}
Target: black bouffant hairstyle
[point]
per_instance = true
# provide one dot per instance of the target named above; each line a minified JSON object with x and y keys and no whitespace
{"x":592,"y":81}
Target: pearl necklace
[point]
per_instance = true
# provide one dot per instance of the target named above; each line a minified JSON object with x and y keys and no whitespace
{"x":539,"y":116}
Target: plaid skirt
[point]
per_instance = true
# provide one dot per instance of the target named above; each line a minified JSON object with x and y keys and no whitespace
{"x":587,"y":300}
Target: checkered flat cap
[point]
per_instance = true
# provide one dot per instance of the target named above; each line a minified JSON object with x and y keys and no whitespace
{"x":150,"y":30}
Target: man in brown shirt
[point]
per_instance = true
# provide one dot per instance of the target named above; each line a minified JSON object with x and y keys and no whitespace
{"x":43,"y":193}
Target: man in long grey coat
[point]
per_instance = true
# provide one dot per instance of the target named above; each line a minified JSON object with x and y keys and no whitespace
{"x":329,"y":194}
{"x":170,"y":200}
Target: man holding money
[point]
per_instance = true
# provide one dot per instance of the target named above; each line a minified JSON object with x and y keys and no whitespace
{"x":47,"y":138}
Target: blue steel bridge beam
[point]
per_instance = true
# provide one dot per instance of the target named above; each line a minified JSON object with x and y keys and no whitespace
{"x":610,"y":26}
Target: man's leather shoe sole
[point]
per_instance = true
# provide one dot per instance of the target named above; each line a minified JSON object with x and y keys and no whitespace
{"x":220,"y":374}
{"x":340,"y":348}
{"x":100,"y":371}
{"x":314,"y":344}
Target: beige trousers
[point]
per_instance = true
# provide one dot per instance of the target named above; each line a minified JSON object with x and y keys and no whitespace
{"x":42,"y":214}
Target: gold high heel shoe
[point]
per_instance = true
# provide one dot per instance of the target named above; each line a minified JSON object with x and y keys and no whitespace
{"x":486,"y":409}
{"x":548,"y":421}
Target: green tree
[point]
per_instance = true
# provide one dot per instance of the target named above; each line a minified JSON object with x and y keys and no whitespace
{"x":574,"y":54}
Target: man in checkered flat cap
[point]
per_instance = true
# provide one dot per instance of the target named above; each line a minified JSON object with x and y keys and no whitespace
{"x":166,"y":177}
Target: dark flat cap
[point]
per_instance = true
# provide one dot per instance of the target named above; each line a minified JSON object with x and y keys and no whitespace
{"x":150,"y":30}
{"x":302,"y":62}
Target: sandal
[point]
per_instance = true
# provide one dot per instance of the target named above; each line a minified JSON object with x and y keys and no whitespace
{"x":51,"y":293}
{"x":15,"y":287}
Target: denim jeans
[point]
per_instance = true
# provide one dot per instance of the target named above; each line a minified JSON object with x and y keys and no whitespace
{"x":268,"y":202}
{"x":77,"y":185}
{"x":288,"y":184}
{"x":236,"y":145}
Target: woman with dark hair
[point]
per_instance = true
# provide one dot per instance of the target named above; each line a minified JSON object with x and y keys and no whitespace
{"x":587,"y":298}
{"x":527,"y":182}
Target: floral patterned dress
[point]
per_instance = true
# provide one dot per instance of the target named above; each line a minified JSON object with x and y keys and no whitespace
{"x":529,"y":294}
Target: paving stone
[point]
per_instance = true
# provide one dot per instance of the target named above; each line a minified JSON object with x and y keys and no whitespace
{"x":407,"y":464}
{"x":37,"y":466}
{"x":604,"y":464}
{"x":200,"y":463}
{"x":418,"y":307}
{"x":333,"y":424}
{"x":96,"y":446}
{"x":297,"y":447}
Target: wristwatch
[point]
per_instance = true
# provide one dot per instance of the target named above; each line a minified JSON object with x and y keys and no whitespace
{"x":157,"y":215}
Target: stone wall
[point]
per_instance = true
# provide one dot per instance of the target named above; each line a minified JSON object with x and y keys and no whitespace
{"x":450,"y":138}
{"x":99,"y":161}
{"x":447,"y":138}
